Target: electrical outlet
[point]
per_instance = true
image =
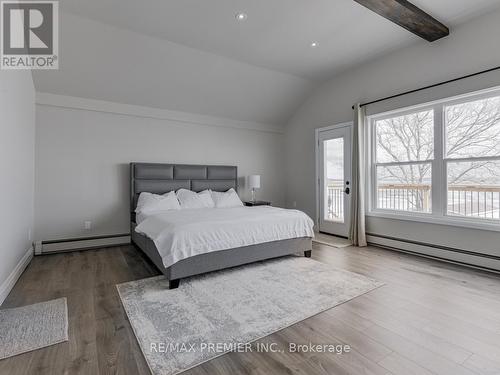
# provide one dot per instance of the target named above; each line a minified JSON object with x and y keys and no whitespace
{"x":294,"y":204}
{"x":30,"y":236}
{"x":87,"y":225}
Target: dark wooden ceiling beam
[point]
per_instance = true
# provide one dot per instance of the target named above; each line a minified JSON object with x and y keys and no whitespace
{"x":409,"y":16}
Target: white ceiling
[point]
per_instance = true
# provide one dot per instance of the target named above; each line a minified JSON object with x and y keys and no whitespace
{"x":193,"y":56}
{"x":277,"y":33}
{"x":102,"y":62}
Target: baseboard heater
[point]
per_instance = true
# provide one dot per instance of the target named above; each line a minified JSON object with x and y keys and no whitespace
{"x":486,"y":262}
{"x":81,"y":243}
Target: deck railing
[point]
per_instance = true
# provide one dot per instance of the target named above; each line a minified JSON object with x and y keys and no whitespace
{"x":404,"y":197}
{"x":335,"y":201}
{"x":463,"y":200}
{"x":474,"y":201}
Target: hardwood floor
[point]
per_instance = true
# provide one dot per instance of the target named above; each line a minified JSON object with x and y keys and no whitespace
{"x":429,"y":318}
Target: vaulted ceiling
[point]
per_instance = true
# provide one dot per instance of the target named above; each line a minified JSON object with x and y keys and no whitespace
{"x":195,"y":56}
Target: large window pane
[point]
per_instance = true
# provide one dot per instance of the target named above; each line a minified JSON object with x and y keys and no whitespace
{"x":405,"y":138}
{"x":334,"y":179}
{"x":405,"y":187}
{"x":474,"y":189}
{"x":473,"y":129}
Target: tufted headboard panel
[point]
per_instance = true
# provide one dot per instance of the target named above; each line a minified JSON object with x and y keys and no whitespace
{"x":162,"y":178}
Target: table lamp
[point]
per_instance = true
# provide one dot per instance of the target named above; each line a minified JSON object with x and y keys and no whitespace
{"x":254,"y":183}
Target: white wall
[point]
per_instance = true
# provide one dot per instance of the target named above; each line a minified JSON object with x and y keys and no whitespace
{"x":470,"y":48}
{"x":17,"y":144}
{"x":82,"y":159}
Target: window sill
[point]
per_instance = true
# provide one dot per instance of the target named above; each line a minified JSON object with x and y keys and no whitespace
{"x":429,"y":219}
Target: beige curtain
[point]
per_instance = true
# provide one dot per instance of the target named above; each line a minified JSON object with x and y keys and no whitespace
{"x":357,"y":231}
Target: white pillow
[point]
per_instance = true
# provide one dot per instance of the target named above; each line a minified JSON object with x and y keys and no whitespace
{"x":190,"y":199}
{"x":226,"y":199}
{"x":149,"y":203}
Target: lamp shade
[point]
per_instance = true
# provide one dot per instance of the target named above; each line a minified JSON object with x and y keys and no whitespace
{"x":254,"y":181}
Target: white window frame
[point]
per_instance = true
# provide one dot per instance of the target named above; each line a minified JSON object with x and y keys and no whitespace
{"x":439,"y":192}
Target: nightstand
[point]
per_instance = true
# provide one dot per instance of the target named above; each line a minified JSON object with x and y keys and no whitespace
{"x":257,"y":203}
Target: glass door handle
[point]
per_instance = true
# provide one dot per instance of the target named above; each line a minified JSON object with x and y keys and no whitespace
{"x":347,"y":190}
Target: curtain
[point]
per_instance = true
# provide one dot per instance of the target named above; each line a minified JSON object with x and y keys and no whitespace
{"x":357,"y":231}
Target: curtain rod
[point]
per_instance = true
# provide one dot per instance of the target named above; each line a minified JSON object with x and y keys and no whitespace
{"x":430,"y":87}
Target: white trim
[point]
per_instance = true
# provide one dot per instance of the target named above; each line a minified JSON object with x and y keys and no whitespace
{"x":316,"y":148}
{"x":472,"y":159}
{"x":57,"y":247}
{"x":11,"y":280}
{"x":482,"y":224}
{"x":73,"y":102}
{"x":439,"y":188}
{"x":445,"y":101}
{"x":439,"y":214}
{"x":336,"y":126}
{"x":317,"y":132}
{"x":433,"y":252}
{"x":397,"y":163}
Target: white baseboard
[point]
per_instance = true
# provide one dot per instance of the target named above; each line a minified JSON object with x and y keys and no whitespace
{"x":457,"y":256}
{"x":9,"y":283}
{"x":83,"y":244}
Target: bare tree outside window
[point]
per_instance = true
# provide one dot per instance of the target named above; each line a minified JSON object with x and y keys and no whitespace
{"x":473,"y":129}
{"x":472,"y":134}
{"x":404,"y":153}
{"x":405,"y":148}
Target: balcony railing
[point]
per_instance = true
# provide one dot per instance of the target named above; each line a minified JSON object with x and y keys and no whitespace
{"x":335,"y":202}
{"x":474,"y":201}
{"x":463,"y":200}
{"x":405,"y":197}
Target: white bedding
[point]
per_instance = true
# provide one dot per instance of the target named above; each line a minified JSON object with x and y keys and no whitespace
{"x":180,"y":234}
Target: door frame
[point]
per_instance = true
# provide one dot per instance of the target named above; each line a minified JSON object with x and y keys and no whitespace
{"x":317,"y":183}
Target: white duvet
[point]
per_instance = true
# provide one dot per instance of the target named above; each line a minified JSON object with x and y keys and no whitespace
{"x":180,"y":234}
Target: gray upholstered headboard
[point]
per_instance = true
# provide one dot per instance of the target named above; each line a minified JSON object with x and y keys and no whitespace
{"x":162,"y":178}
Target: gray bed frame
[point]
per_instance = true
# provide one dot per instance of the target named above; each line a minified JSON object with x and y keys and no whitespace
{"x":162,"y":178}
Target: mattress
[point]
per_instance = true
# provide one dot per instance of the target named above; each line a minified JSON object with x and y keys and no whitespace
{"x":180,"y":234}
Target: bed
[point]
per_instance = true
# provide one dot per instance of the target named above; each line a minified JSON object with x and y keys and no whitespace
{"x":162,"y":178}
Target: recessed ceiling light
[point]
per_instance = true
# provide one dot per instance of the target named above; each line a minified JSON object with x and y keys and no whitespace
{"x":314,"y":44}
{"x":241,"y":16}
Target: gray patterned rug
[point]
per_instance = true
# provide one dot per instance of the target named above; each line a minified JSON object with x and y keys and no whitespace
{"x":31,"y":327}
{"x":176,"y":328}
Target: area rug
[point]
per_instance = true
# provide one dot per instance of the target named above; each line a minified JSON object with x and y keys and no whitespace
{"x":23,"y":329}
{"x":182,"y":328}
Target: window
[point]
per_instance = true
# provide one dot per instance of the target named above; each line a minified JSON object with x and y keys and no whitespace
{"x":334,"y":173}
{"x":404,"y":153}
{"x":473,"y":158}
{"x":439,"y":161}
